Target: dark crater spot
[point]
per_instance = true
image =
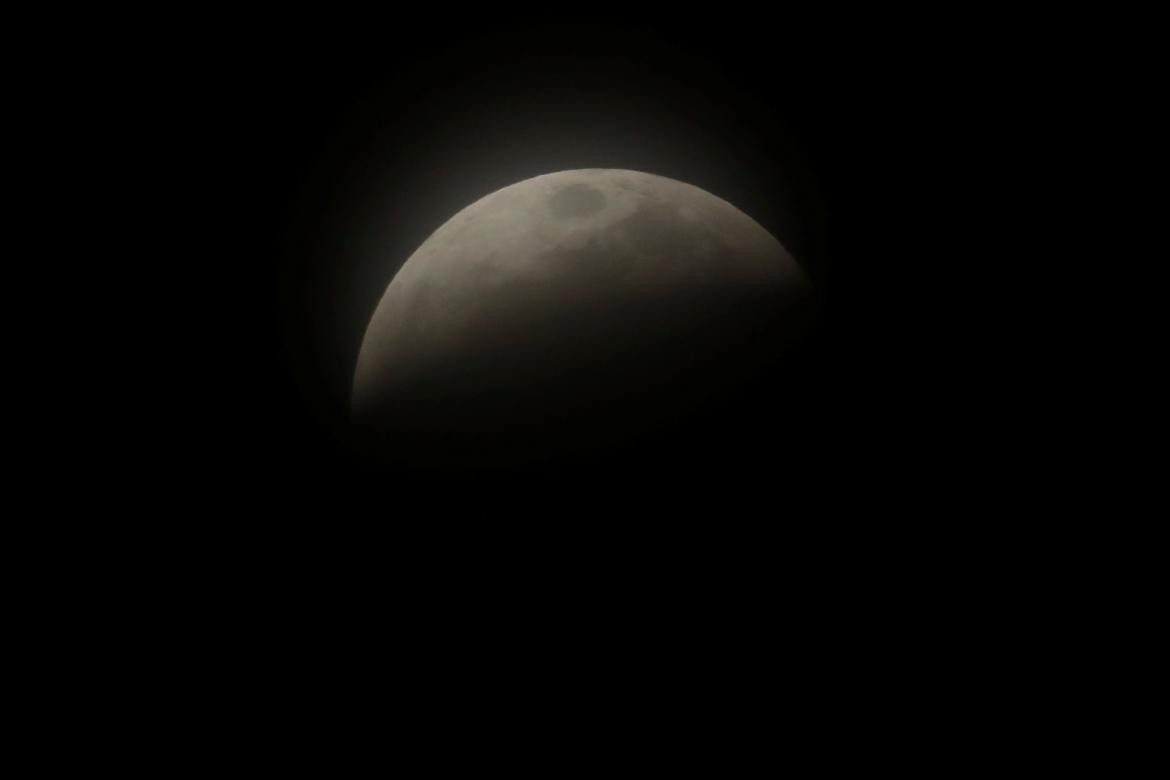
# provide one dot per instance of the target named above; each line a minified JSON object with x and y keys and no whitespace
{"x":576,"y":200}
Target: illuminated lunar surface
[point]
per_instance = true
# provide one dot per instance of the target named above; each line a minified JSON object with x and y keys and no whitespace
{"x":570,"y":306}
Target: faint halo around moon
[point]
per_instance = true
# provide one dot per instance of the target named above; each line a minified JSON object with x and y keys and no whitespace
{"x":573,"y":307}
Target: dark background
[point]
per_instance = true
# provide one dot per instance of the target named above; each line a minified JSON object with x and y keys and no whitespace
{"x":765,"y":574}
{"x":331,"y":153}
{"x":801,"y":545}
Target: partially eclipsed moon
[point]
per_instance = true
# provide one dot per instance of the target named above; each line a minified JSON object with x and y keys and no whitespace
{"x":588,"y":300}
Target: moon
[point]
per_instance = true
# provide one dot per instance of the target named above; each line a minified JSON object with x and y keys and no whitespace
{"x":570,"y":307}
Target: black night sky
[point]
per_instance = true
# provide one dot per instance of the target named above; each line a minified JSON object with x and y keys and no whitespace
{"x":815,"y":569}
{"x":326,"y":143}
{"x":884,"y":550}
{"x":774,"y":566}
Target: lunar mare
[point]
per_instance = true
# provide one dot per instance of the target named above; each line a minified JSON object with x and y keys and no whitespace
{"x":574,"y":299}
